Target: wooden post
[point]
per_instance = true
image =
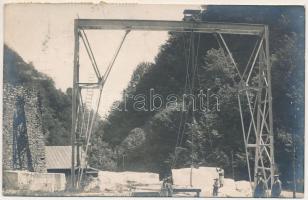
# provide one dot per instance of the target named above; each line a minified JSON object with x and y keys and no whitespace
{"x":74,"y":101}
{"x":191,"y":92}
{"x":294,"y":164}
{"x":232,"y":165}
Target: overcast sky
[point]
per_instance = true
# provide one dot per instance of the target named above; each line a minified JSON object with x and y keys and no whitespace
{"x":43,"y":34}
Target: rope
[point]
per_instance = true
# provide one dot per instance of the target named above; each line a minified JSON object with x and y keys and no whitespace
{"x":190,"y":84}
{"x":186,"y":78}
{"x":195,"y":63}
{"x":194,"y":66}
{"x":178,"y":141}
{"x":197,"y":59}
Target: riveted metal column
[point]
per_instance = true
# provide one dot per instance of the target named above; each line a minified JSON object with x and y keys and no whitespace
{"x":271,"y":133}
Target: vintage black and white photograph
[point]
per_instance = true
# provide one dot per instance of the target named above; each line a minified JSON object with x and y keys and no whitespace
{"x":153,"y":100}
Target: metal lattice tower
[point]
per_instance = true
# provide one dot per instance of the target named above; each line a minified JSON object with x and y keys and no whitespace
{"x":254,"y":94}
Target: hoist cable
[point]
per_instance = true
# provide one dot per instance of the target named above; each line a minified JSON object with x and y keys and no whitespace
{"x":197,"y":59}
{"x":191,"y":87}
{"x":187,"y":60}
{"x":186,"y":82}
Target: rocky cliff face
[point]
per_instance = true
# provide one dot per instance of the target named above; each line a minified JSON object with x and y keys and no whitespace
{"x":23,"y":138}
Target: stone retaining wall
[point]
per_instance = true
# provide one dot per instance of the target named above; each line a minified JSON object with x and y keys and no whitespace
{"x":33,"y":137}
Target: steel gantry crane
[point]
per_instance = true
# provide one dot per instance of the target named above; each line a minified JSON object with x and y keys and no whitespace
{"x":254,"y":94}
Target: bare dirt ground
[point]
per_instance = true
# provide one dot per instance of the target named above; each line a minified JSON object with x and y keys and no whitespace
{"x":285,"y":194}
{"x":120,"y":184}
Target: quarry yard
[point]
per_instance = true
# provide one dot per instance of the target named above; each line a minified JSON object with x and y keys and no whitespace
{"x":120,"y":184}
{"x":142,"y":100}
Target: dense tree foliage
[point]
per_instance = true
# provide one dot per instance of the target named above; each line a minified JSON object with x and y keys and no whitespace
{"x":217,"y":136}
{"x":147,"y":139}
{"x":56,"y":105}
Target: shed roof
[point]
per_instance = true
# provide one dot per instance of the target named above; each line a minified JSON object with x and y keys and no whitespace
{"x":59,"y":157}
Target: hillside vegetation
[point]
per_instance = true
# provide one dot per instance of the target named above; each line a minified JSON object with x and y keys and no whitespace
{"x":56,"y":105}
{"x":217,"y":135}
{"x":145,"y":140}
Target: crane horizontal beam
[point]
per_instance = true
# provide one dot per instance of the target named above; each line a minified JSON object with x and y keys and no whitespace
{"x":175,"y":26}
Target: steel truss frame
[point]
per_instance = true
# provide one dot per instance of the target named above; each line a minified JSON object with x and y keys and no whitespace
{"x":254,"y":94}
